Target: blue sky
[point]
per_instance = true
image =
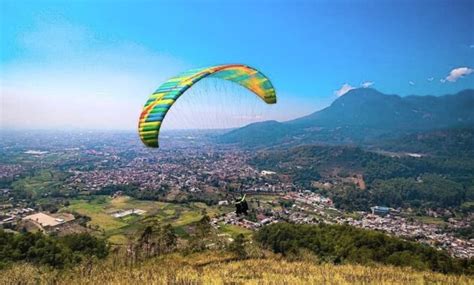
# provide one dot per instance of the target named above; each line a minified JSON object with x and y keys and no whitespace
{"x":64,"y":63}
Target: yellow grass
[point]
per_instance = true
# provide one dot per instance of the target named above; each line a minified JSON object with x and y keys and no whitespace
{"x":223,"y":268}
{"x":118,"y":239}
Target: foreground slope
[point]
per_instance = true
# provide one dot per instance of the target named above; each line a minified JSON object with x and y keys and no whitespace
{"x":223,"y":268}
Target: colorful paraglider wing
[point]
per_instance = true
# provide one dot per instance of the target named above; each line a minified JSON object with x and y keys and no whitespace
{"x":163,"y":98}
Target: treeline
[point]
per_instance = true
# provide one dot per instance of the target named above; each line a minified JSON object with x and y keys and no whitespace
{"x":342,"y":244}
{"x":323,"y":159}
{"x":442,"y":142}
{"x":54,"y":251}
{"x":427,"y":191}
{"x":316,"y":157}
{"x":156,"y":239}
{"x":446,"y":182}
{"x":458,"y":169}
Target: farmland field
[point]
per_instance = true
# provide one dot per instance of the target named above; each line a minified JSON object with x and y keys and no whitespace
{"x":100,"y":210}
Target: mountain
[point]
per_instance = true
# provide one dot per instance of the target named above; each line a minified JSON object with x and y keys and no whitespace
{"x":369,"y":108}
{"x":261,"y":133}
{"x":363,"y":115}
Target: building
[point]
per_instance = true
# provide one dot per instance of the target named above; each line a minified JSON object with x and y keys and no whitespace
{"x":46,"y":222}
{"x":124,"y":213}
{"x":380,"y":211}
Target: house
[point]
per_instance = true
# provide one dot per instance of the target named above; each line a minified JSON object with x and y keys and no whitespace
{"x":380,"y":211}
{"x":46,"y":222}
{"x":267,"y":172}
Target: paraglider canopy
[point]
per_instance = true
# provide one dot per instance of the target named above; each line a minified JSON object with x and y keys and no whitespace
{"x":165,"y":96}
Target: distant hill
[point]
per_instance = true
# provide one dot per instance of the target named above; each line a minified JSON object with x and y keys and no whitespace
{"x":457,"y":142}
{"x":362,"y":116}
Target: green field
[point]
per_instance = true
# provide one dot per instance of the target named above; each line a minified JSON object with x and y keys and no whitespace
{"x":430,"y":220}
{"x":42,"y":183}
{"x":100,"y":208}
{"x":234,"y":230}
{"x":96,"y":210}
{"x":179,"y":215}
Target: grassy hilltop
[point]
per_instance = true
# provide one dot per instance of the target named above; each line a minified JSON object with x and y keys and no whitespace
{"x":216,"y":267}
{"x":280,"y":253}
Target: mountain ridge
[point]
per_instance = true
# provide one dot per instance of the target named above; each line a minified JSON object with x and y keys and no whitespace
{"x":361,"y":115}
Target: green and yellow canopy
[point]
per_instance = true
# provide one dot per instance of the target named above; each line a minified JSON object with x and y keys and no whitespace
{"x":165,"y":96}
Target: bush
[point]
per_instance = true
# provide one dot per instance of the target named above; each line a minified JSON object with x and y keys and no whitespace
{"x":238,"y":246}
{"x":47,"y":250}
{"x":347,"y":244}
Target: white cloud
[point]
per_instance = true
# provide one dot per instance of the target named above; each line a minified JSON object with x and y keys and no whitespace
{"x":367,"y":84}
{"x":343,"y":90}
{"x":430,"y":79}
{"x":457,"y":73}
{"x":411,"y":83}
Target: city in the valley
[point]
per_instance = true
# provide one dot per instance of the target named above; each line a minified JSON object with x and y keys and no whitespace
{"x":110,"y":185}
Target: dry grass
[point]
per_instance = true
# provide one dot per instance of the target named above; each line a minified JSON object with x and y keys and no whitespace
{"x":223,"y":268}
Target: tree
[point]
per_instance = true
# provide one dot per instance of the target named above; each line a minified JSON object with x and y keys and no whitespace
{"x":145,"y":241}
{"x":169,"y":238}
{"x":202,"y":233}
{"x":238,"y":246}
{"x":49,"y":250}
{"x":203,"y":227}
{"x":156,"y":240}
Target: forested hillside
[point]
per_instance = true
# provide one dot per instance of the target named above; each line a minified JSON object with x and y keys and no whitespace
{"x":405,"y":181}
